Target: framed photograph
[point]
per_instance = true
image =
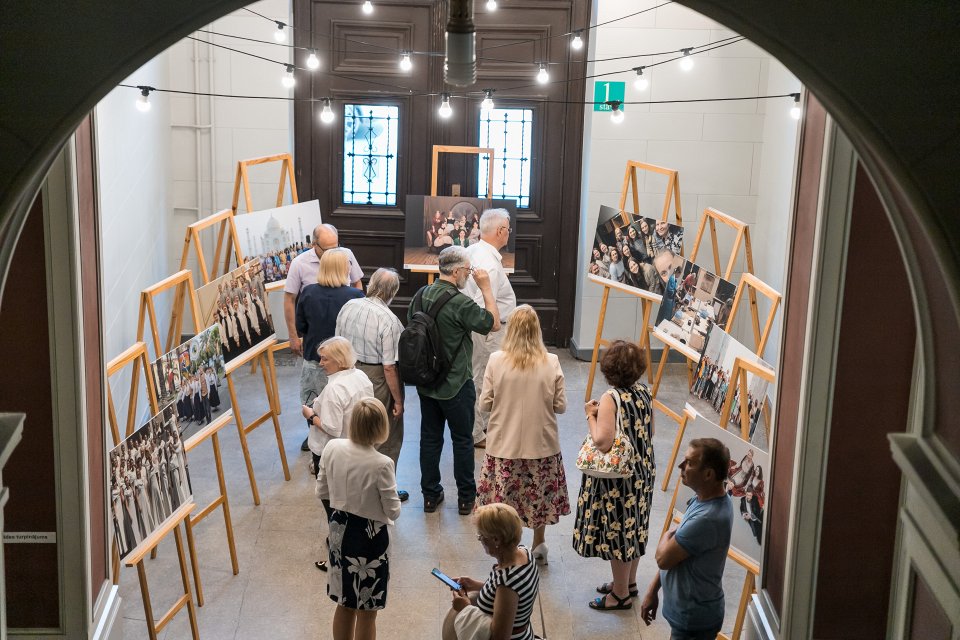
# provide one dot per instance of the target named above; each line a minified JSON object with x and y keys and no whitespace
{"x":149,"y":480}
{"x":436,"y":222}
{"x":697,"y":300}
{"x":745,"y":484}
{"x":236,"y":302}
{"x":274,"y":237}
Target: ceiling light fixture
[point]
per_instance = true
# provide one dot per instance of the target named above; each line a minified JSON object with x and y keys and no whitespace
{"x":461,"y":46}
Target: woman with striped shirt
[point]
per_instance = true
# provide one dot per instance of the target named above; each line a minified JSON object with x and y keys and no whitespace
{"x":504,"y":603}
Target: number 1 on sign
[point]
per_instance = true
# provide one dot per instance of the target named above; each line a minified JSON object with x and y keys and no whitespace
{"x":606,"y":86}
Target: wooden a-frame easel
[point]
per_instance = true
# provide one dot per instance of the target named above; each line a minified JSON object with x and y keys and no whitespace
{"x":182,"y":283}
{"x":137,"y":355}
{"x":227,"y":243}
{"x":242,"y":179}
{"x":630,"y":184}
{"x":740,"y":369}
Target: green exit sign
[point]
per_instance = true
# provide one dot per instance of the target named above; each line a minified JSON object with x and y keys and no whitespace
{"x":606,"y":92}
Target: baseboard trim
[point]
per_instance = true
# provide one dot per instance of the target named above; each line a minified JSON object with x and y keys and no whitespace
{"x":106,"y":614}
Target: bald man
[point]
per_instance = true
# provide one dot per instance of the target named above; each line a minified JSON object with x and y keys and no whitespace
{"x":302,"y":273}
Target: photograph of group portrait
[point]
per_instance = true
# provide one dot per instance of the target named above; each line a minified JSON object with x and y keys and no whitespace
{"x":634,"y":251}
{"x":274,"y":237}
{"x":713,"y":382}
{"x":236,"y":301}
{"x":434,"y":223}
{"x":191,"y":377}
{"x":694,"y":299}
{"x":744,"y":485}
{"x":149,"y":480}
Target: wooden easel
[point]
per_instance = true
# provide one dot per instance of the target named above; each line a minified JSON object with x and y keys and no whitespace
{"x":263,"y":353}
{"x":753,"y":285}
{"x":182,"y":282}
{"x":740,"y":369}
{"x":243,"y":179}
{"x":751,"y":566}
{"x":682,"y":419}
{"x":673,"y":189}
{"x":226,"y":232}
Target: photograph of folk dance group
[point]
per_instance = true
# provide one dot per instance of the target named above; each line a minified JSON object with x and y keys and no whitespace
{"x":693,"y":301}
{"x":714,"y":381}
{"x":148,"y":480}
{"x":236,"y":301}
{"x":190,"y":377}
{"x":744,"y":485}
{"x":274,"y":237}
{"x":434,"y":223}
{"x":638,"y":254}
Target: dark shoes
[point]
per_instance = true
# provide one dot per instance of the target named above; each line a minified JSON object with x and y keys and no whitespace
{"x":403,"y":495}
{"x":465,"y":508}
{"x":600,"y":604}
{"x":607,"y":587}
{"x":305,"y":446}
{"x":321,"y":564}
{"x":430,"y":504}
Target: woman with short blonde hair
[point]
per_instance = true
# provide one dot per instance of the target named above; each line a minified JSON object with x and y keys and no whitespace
{"x":334,"y":269}
{"x":339,"y":350}
{"x":368,"y":423}
{"x":523,"y":389}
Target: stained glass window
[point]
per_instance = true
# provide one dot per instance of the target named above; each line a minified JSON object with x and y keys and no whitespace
{"x":510,"y":133}
{"x":370,"y":153}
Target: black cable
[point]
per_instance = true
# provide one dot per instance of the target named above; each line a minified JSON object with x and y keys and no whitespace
{"x":635,"y":55}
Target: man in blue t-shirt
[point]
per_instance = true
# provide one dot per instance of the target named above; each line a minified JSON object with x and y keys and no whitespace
{"x":692,"y":555}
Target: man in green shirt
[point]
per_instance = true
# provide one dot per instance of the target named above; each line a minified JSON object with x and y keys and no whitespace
{"x":453,"y":400}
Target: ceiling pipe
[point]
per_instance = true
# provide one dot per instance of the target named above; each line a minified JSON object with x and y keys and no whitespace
{"x":461,"y":67}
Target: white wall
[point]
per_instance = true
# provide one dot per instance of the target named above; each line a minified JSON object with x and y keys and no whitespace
{"x":720,"y":149}
{"x":133,"y":152}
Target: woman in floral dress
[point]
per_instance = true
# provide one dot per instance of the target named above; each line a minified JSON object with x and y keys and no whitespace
{"x":613,"y":514}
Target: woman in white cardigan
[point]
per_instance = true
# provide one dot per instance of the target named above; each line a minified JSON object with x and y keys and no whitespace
{"x":360,"y":486}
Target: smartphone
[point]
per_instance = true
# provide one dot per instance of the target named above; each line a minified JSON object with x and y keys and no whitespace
{"x":445,"y":579}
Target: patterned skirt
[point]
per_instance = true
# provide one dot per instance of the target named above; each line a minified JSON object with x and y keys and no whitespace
{"x":537,"y":489}
{"x":359,"y":568}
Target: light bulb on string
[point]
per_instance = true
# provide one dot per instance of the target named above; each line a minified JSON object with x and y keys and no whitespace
{"x":445,"y":111}
{"x":280,"y":35}
{"x":686,"y":63}
{"x":795,"y":109}
{"x":577,"y":43}
{"x":368,"y":7}
{"x":616,"y":115}
{"x":542,"y":76}
{"x":491,"y":5}
{"x":405,"y":63}
{"x":487,"y":104}
{"x":326,"y":113}
{"x":641,"y":83}
{"x":143,"y":100}
{"x":288,"y":80}
{"x":313,"y":62}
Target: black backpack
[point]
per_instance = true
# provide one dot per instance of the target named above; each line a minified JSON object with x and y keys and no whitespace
{"x":421,"y":358}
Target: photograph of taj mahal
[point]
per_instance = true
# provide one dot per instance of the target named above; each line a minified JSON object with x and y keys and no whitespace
{"x":274,"y":237}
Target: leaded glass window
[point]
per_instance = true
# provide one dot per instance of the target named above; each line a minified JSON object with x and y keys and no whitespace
{"x":510,"y":133}
{"x":370,"y":146}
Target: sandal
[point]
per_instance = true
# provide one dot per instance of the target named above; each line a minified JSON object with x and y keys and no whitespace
{"x":321,"y":564}
{"x":600,"y":604}
{"x":607,"y":587}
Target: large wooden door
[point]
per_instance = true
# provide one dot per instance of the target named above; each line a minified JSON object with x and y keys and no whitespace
{"x":359,"y":57}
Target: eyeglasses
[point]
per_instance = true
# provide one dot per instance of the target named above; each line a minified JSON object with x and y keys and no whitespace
{"x":469,"y":269}
{"x":509,"y":230}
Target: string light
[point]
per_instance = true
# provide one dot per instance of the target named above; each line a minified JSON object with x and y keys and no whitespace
{"x":491,"y":5}
{"x":326,"y":114}
{"x":280,"y":35}
{"x":143,"y":100}
{"x":616,"y":116}
{"x":487,"y":104}
{"x":368,"y":7}
{"x":313,"y":62}
{"x":795,"y":109}
{"x":542,"y":76}
{"x":405,"y":63}
{"x":445,"y":111}
{"x":641,"y":83}
{"x":577,"y":43}
{"x":686,"y":63}
{"x":288,"y":80}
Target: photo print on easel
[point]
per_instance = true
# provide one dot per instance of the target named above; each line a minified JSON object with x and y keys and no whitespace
{"x":236,"y":302}
{"x":700,"y":299}
{"x":274,"y":237}
{"x":149,"y":479}
{"x":745,"y":485}
{"x":191,"y":376}
{"x":434,"y":223}
{"x":713,"y":381}
{"x":638,"y":254}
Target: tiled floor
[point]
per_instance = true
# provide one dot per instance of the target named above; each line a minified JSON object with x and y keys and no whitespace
{"x":278,"y":592}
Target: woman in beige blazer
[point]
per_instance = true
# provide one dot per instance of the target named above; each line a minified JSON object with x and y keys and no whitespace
{"x":523,"y":390}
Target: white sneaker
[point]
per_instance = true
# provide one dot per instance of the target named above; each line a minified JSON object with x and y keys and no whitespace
{"x":540,"y":553}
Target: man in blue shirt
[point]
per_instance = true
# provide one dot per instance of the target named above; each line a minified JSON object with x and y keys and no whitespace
{"x":692,"y":555}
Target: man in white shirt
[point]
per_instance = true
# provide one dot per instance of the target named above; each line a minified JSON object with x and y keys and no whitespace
{"x":374,"y":332}
{"x":494,"y":234}
{"x":301,"y":274}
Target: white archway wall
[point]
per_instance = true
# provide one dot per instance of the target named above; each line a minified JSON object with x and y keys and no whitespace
{"x":737,"y":157}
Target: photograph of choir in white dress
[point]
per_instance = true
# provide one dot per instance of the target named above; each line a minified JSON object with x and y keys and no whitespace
{"x":236,"y":301}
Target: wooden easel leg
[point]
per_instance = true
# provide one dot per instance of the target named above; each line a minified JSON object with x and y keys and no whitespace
{"x":597,"y":341}
{"x":227,"y":520}
{"x":273,"y":380}
{"x":147,"y":605}
{"x":748,"y":588}
{"x":191,"y":609}
{"x":645,"y":336}
{"x":676,"y":451}
{"x":267,"y":369}
{"x":241,"y":432}
{"x":660,"y":368}
{"x":194,"y":564}
{"x":115,"y":563}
